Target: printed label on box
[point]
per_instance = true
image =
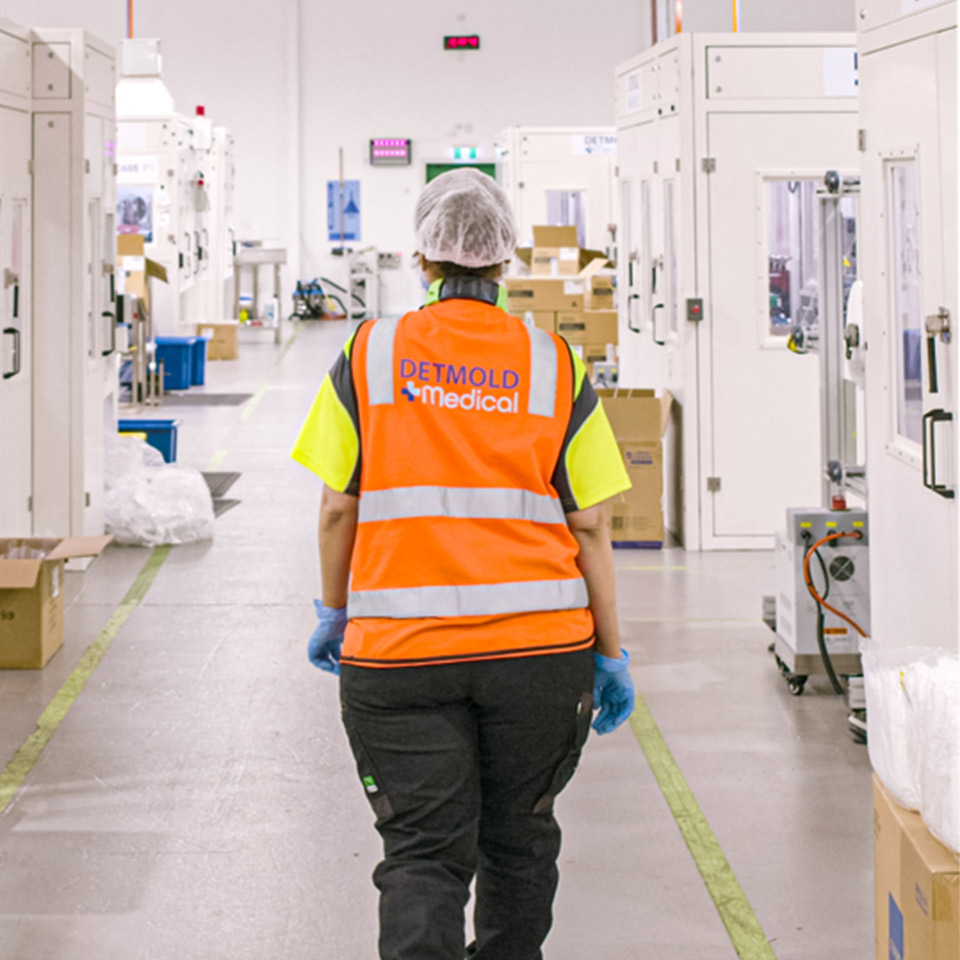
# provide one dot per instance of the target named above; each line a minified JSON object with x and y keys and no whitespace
{"x":134,"y":264}
{"x":896,"y":930}
{"x":572,"y":287}
{"x":569,"y":253}
{"x":55,"y":581}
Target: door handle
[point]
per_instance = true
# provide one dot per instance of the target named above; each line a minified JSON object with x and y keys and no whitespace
{"x":930,"y":420}
{"x":937,"y":326}
{"x":630,"y":300}
{"x":113,"y":333}
{"x":653,"y":323}
{"x":15,"y":333}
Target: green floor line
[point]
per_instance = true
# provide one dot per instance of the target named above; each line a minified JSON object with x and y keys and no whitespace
{"x":251,"y":405}
{"x":746,"y":934}
{"x":25,"y":759}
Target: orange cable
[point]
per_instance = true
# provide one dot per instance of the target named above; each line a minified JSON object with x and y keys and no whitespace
{"x":813,"y":590}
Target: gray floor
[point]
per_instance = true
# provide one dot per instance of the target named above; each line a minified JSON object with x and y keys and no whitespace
{"x":199,"y":801}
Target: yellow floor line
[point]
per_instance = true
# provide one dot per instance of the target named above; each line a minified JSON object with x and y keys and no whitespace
{"x":251,"y":405}
{"x":746,"y":934}
{"x":25,"y":759}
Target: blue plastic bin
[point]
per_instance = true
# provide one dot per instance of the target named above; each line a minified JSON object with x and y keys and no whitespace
{"x":161,"y":434}
{"x":177,"y":356}
{"x":198,"y":370}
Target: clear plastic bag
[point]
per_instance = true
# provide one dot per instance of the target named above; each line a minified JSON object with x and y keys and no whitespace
{"x":934,"y":693}
{"x":150,"y":502}
{"x":892,"y":733}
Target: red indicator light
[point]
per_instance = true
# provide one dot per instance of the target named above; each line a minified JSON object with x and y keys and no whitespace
{"x":461,"y":43}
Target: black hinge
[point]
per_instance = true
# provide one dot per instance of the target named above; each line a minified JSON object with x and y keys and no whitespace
{"x":862,"y":140}
{"x":713,"y":484}
{"x":709,"y":164}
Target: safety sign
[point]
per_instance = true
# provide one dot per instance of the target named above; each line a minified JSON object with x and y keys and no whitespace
{"x":343,"y":210}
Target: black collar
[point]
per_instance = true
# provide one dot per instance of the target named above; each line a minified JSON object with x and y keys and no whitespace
{"x":470,"y":288}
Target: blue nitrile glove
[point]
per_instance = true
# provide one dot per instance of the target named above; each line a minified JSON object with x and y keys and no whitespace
{"x":613,"y":691}
{"x":327,"y":639}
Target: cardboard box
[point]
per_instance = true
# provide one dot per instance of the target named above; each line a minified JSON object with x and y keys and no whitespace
{"x":135,"y":270}
{"x":556,"y":253}
{"x":221,"y":338}
{"x":538,"y":294}
{"x":31,"y":596}
{"x":600,"y":285}
{"x":639,"y":420}
{"x":588,"y":326}
{"x":917,"y":882}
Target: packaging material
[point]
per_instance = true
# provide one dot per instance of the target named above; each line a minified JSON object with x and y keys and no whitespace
{"x":600,"y":287}
{"x":892,"y":740}
{"x":588,"y":326}
{"x":556,"y":252}
{"x":221,"y":338}
{"x":31,"y":596}
{"x":148,"y":504}
{"x":933,"y":690}
{"x":136,"y":269}
{"x":917,"y":911}
{"x":543,"y":294}
{"x":639,"y":420}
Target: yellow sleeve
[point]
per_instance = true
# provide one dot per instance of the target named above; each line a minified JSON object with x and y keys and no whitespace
{"x":329,"y":440}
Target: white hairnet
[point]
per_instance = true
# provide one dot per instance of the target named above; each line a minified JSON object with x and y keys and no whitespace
{"x":464,"y":217}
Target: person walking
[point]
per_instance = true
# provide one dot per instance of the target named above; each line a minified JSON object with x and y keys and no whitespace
{"x":468,"y":597}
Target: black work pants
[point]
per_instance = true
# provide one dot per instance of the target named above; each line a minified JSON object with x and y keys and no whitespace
{"x":461,"y":763}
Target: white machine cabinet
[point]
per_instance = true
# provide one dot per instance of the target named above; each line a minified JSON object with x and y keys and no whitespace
{"x":16,"y":353}
{"x":560,"y":176}
{"x":723,"y":140}
{"x":162,"y":191}
{"x":74,"y":328}
{"x":222,"y":241}
{"x":908,"y":67}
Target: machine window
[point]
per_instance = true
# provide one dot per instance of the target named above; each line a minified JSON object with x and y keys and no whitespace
{"x":905,"y":272}
{"x":568,"y":208}
{"x":792,"y":256}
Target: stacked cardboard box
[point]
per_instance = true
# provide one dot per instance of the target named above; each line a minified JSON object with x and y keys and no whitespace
{"x":569,"y":291}
{"x":916,"y":890}
{"x":221,"y":338}
{"x":639,"y":420}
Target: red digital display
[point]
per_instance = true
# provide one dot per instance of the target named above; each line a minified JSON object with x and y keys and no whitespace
{"x":461,"y":43}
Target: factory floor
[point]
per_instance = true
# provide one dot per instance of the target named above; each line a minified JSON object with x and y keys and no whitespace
{"x":198,"y":799}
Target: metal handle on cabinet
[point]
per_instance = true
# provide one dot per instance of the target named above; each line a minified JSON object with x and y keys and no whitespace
{"x":653,"y":324}
{"x":15,"y":333}
{"x":113,"y":333}
{"x":930,"y":421}
{"x":630,"y":300}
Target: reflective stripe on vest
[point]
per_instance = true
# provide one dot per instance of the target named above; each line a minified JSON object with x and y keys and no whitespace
{"x":478,"y":600}
{"x":542,"y":401}
{"x":380,"y":361}
{"x":470,"y":503}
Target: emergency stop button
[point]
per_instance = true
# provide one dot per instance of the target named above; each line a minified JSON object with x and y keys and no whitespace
{"x":694,"y":309}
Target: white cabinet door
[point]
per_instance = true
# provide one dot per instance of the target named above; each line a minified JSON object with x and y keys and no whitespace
{"x":760,"y":426}
{"x":909,"y":238}
{"x":16,"y":359}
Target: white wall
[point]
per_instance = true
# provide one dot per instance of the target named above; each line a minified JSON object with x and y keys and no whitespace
{"x":384,"y":72}
{"x":755,"y":16}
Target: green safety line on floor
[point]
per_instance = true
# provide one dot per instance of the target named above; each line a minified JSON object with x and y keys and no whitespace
{"x":25,"y":759}
{"x":216,"y":460}
{"x":248,"y":408}
{"x":746,"y":934}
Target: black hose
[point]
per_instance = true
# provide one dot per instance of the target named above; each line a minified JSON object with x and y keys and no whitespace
{"x":821,"y":639}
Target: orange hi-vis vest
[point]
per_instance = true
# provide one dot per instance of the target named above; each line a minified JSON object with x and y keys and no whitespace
{"x":462,"y":549}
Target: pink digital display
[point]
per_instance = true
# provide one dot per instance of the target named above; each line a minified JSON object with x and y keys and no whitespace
{"x":461,"y":43}
{"x":389,"y":151}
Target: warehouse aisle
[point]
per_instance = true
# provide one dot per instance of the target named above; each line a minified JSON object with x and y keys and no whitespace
{"x":198,"y":799}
